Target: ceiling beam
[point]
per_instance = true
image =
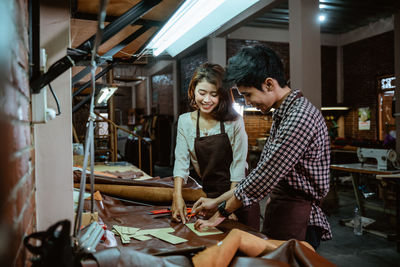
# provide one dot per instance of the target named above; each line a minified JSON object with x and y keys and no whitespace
{"x":109,"y":54}
{"x":84,"y":48}
{"x":252,"y":12}
{"x":146,"y":22}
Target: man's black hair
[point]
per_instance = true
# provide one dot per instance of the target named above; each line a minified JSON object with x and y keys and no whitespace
{"x":252,"y":65}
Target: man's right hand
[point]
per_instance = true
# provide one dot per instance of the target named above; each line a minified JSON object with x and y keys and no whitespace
{"x":204,"y":204}
{"x":178,"y":209}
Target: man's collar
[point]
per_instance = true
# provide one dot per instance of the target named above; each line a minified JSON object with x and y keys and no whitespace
{"x":286,"y":103}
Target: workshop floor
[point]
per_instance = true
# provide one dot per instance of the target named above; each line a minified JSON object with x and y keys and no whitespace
{"x":346,"y":249}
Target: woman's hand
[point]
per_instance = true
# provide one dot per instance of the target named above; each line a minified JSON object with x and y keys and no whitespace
{"x":203,"y":205}
{"x":178,"y":209}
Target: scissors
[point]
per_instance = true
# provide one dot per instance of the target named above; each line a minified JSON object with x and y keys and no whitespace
{"x":167,"y":212}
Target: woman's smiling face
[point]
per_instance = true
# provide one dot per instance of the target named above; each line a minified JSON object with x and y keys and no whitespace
{"x":206,"y":96}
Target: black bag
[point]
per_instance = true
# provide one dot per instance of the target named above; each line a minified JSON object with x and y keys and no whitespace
{"x":54,"y":246}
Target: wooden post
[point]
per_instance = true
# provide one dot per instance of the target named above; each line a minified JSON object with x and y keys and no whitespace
{"x":140,"y":152}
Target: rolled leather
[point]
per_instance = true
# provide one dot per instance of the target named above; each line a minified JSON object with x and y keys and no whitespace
{"x":104,"y":178}
{"x":150,"y":194}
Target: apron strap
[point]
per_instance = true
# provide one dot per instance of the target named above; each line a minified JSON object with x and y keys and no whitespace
{"x":222,"y":126}
{"x":197,"y":124}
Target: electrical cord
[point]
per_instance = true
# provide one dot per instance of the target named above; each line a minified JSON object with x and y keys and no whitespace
{"x":56,"y":99}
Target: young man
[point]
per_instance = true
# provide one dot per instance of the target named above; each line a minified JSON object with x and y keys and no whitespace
{"x":294,"y":165}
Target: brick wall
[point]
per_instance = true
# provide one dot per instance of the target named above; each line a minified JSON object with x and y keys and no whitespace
{"x":16,"y":140}
{"x":257,"y":125}
{"x":187,"y":66}
{"x":162,"y":88}
{"x":122,"y":103}
{"x":282,"y":49}
{"x":141,"y":96}
{"x":328,"y":75}
{"x":351,"y":125}
{"x":363,"y":62}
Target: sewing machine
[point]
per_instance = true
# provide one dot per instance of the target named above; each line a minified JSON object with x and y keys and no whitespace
{"x":385,"y":158}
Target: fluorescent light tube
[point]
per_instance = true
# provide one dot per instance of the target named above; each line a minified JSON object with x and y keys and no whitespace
{"x":335,"y":108}
{"x":194,"y":20}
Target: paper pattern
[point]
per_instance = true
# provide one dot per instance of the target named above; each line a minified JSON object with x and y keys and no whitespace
{"x":205,"y":231}
{"x":126,"y":233}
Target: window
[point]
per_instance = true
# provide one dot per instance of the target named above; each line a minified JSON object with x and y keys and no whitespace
{"x":385,"y":99}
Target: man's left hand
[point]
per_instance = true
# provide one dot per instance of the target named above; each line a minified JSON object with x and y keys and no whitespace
{"x":215,"y":220}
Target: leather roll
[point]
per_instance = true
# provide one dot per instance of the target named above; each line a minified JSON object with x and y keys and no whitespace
{"x":146,"y":193}
{"x":155,"y":181}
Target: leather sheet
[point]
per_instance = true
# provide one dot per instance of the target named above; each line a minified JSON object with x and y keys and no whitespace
{"x":113,"y":211}
{"x":236,"y":246}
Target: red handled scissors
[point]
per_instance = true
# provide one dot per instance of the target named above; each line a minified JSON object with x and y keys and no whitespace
{"x":168,"y":210}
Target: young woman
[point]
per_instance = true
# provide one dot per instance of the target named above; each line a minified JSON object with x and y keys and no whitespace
{"x":214,"y":140}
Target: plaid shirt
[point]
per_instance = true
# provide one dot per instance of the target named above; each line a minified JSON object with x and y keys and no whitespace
{"x":298,"y":151}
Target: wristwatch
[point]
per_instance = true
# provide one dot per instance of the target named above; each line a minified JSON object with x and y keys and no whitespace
{"x":222,"y":210}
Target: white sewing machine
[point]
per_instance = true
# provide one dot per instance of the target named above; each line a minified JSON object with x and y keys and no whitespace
{"x":385,"y":157}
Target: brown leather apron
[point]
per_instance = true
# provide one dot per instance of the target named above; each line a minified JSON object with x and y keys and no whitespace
{"x":287,"y":214}
{"x":214,"y":155}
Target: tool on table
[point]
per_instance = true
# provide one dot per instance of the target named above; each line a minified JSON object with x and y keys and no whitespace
{"x":167,"y":210}
{"x":163,"y":213}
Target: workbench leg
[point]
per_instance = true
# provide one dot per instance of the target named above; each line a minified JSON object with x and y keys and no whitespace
{"x":354,"y":180}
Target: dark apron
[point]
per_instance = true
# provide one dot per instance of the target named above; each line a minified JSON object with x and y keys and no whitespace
{"x":214,"y":155}
{"x":287,"y":214}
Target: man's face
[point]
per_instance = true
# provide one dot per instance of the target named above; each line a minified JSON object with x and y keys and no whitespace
{"x":262,"y":100}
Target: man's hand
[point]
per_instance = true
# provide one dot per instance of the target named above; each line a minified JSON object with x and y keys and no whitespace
{"x":203,"y":205}
{"x":215,"y":220}
{"x":178,"y":209}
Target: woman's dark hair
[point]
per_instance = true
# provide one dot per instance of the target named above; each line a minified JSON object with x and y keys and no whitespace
{"x":252,"y":65}
{"x":214,"y":74}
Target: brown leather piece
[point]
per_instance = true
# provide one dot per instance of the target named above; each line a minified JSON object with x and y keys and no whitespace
{"x":126,"y":174}
{"x":115,"y":212}
{"x":145,"y":193}
{"x":295,"y":254}
{"x":286,"y":253}
{"x":155,"y":181}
